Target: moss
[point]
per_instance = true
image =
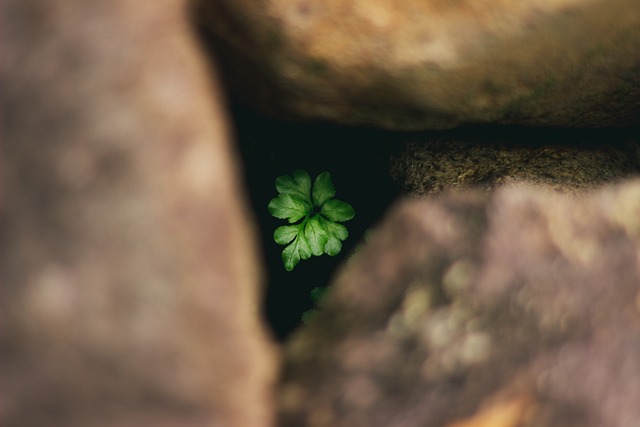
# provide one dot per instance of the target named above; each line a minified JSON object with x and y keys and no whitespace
{"x":437,"y":163}
{"x":317,"y":67}
{"x":273,"y":39}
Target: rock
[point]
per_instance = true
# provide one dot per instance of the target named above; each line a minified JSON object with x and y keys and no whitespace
{"x":130,"y":281}
{"x":418,"y":64}
{"x":557,"y":160}
{"x":509,"y":309}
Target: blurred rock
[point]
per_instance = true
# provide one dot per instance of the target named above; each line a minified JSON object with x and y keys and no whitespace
{"x":418,"y":64}
{"x":130,"y":282}
{"x":518,"y":308}
{"x":557,"y":160}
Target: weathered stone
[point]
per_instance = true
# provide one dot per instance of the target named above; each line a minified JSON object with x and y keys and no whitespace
{"x":418,"y":64}
{"x":129,"y":274}
{"x":511,"y":309}
{"x":563,"y":161}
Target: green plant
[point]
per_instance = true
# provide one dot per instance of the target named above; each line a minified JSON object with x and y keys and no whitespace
{"x":317,"y":294}
{"x":319,"y":231}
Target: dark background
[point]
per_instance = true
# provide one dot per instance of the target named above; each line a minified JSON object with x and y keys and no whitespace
{"x":359,"y":162}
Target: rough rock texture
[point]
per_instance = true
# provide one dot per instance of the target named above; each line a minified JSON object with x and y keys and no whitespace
{"x":129,"y":279}
{"x":558,"y":160}
{"x":516,"y":309}
{"x":418,"y":64}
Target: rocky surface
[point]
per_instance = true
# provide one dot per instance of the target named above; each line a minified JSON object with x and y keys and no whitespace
{"x":418,"y":64}
{"x":130,"y":282}
{"x":555,"y":159}
{"x":518,"y":308}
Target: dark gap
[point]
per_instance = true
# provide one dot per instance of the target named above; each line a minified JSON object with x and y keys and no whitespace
{"x":358,"y":160}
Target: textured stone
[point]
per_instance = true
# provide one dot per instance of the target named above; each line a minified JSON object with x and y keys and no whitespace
{"x":510,"y":309}
{"x":425,"y":64}
{"x":130,"y":281}
{"x":557,"y":160}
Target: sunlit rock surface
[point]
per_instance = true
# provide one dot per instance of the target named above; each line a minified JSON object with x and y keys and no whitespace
{"x":430,"y":64}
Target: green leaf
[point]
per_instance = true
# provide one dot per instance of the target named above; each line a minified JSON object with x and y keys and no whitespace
{"x":333,"y":246}
{"x":298,"y":185}
{"x":289,"y":207}
{"x":337,"y":230}
{"x":323,"y":189}
{"x":297,"y":250}
{"x":308,"y":316}
{"x":337,"y":233}
{"x":337,"y":210}
{"x":317,"y":294}
{"x":286,"y":234}
{"x":316,"y":234}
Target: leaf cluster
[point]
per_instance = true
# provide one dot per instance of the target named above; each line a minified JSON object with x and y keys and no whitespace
{"x":319,"y":213}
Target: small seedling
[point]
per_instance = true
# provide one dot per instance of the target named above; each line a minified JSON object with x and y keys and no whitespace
{"x":319,"y":231}
{"x":317,"y":294}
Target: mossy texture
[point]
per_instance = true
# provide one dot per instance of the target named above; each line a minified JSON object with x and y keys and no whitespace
{"x":577,"y":164}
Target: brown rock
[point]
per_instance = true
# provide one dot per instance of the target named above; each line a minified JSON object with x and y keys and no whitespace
{"x":418,"y":64}
{"x":128,"y":263}
{"x":558,"y":160}
{"x":516,"y":309}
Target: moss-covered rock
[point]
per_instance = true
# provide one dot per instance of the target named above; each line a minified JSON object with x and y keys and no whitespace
{"x":486,"y":158}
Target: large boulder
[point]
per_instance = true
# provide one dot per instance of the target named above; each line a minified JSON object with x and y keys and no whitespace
{"x":130,"y":281}
{"x":418,"y":64}
{"x":517,"y":308}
